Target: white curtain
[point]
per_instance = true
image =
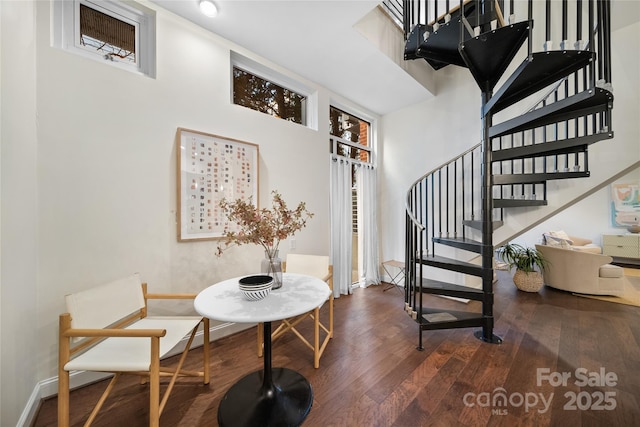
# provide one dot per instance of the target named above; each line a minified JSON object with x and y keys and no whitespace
{"x":341,"y":214}
{"x":368,"y":262}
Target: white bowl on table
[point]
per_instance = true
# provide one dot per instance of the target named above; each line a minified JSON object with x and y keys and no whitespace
{"x":255,"y":288}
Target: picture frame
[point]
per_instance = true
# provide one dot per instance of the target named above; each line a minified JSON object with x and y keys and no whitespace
{"x":211,"y":168}
{"x":625,"y":204}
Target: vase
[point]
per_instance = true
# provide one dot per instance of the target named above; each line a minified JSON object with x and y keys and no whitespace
{"x":272,"y":265}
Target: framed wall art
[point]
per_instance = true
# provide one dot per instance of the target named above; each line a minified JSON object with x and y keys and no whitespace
{"x":212,"y":168}
{"x":625,"y":204}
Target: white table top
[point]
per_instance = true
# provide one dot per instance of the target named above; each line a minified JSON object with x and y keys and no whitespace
{"x":299,"y":294}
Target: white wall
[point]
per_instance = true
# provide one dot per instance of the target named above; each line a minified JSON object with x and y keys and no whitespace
{"x":19,"y":212}
{"x":89,"y":189}
{"x":417,"y":139}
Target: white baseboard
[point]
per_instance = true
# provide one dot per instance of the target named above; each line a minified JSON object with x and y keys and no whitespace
{"x":29,"y":413}
{"x":49,"y":387}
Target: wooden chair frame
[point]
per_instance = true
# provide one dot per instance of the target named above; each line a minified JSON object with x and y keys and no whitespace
{"x":92,"y":337}
{"x":290,"y":324}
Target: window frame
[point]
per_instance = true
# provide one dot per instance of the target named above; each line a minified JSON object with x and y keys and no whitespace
{"x":66,"y":34}
{"x":371,"y":134}
{"x":262,"y":71}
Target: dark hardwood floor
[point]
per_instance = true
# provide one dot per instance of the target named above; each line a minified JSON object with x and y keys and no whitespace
{"x":372,"y":375}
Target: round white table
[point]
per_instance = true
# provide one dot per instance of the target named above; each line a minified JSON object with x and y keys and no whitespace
{"x":273,"y":396}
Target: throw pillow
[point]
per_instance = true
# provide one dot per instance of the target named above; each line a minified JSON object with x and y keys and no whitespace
{"x":561,"y":241}
{"x":562,"y":235}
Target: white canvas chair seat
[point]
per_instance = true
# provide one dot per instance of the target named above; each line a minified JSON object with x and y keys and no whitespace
{"x":106,"y":356}
{"x":106,"y":329}
{"x":311,"y":265}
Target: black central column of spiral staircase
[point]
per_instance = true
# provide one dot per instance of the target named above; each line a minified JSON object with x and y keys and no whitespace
{"x":486,"y":334}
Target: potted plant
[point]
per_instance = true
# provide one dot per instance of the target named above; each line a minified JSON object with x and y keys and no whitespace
{"x":529,"y":264}
{"x":264,"y":227}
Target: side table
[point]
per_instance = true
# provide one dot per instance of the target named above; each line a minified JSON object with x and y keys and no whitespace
{"x":272,"y":396}
{"x":399,"y":270}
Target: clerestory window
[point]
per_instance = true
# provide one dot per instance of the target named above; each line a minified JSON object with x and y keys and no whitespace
{"x":349,"y":136}
{"x":261,"y":89}
{"x":115,"y":32}
{"x":262,"y":95}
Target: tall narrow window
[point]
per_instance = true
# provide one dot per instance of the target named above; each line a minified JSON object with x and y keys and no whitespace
{"x":350,"y":147}
{"x":349,"y":138}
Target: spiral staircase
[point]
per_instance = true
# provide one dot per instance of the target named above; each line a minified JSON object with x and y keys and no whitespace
{"x":452,"y":211}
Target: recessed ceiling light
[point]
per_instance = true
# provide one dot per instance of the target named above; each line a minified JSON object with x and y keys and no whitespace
{"x":208,"y":8}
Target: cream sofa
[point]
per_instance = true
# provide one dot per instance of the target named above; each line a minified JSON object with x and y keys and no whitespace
{"x":581,"y":272}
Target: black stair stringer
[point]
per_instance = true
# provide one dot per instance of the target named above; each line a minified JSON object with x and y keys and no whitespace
{"x":562,"y":146}
{"x":537,"y":71}
{"x":581,"y":104}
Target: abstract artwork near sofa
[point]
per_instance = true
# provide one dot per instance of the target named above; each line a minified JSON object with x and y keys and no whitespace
{"x":625,"y":204}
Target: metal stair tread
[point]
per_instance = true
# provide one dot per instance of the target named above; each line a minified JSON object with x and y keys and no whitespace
{"x":562,"y":146}
{"x":460,"y":243}
{"x":489,"y":54}
{"x":437,"y":287}
{"x":442,"y":45}
{"x":436,"y":49}
{"x":532,"y":178}
{"x":535,"y":73}
{"x":413,"y":41}
{"x":452,"y":264}
{"x":517,"y":203}
{"x":447,"y":319}
{"x":586,"y":102}
{"x":477,"y":225}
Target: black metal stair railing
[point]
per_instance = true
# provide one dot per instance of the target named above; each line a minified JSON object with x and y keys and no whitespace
{"x":453,"y":210}
{"x":394,"y":9}
{"x":517,"y":144}
{"x":466,"y":19}
{"x":525,"y":160}
{"x":439,"y":201}
{"x":437,"y":207}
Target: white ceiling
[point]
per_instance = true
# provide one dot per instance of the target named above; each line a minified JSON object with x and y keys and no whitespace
{"x":316,"y":40}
